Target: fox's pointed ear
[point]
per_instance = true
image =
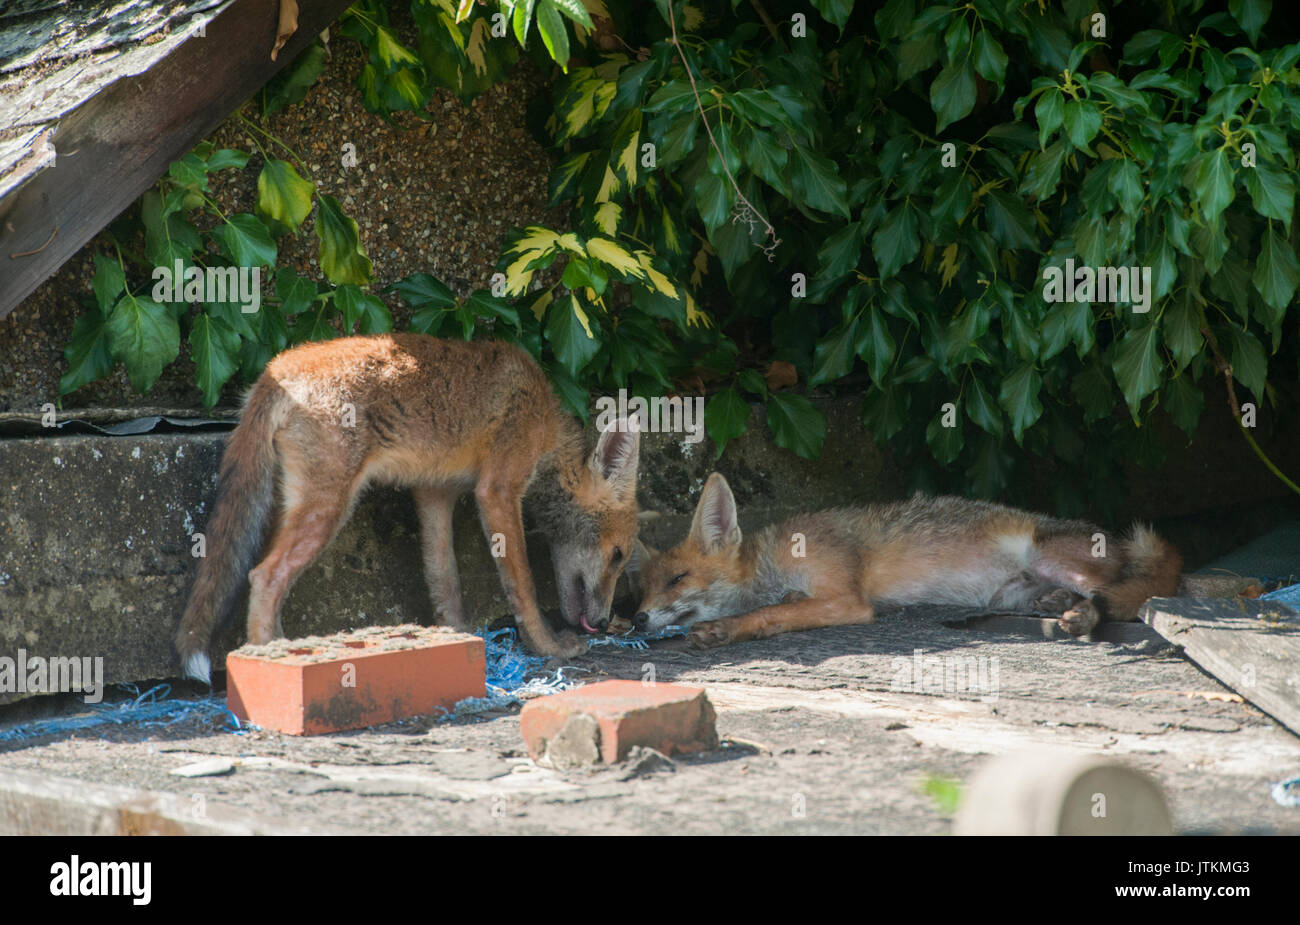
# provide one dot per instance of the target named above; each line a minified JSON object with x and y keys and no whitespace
{"x":716,"y":525}
{"x":615,"y":457}
{"x":641,"y":554}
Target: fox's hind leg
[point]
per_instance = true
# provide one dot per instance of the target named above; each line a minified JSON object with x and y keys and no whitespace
{"x":311,"y":516}
{"x":1066,"y":560}
{"x":436,"y":504}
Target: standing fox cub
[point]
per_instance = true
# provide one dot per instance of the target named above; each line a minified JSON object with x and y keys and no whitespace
{"x":831,"y":568}
{"x":442,"y":417}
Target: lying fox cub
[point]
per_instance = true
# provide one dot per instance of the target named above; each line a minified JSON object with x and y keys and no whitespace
{"x":833,"y":567}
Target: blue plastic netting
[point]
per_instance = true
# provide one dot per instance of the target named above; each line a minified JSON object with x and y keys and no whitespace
{"x":512,"y":675}
{"x":150,"y":709}
{"x":1288,"y":595}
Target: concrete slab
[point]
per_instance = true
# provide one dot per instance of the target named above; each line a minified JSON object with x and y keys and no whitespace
{"x":833,"y":731}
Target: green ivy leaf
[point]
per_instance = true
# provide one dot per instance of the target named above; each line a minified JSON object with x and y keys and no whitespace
{"x":990,"y":59}
{"x":835,"y":12}
{"x":296,"y":293}
{"x":818,"y":183}
{"x":895,"y":244}
{"x":144,"y":337}
{"x":1251,"y":15}
{"x":840,"y":251}
{"x":555,"y":35}
{"x":1184,"y":402}
{"x":945,"y":442}
{"x":109,"y":282}
{"x":1125,"y":182}
{"x":1018,"y":397}
{"x":245,"y":241}
{"x":1137,"y":365}
{"x":1277,"y":273}
{"x":1249,"y":361}
{"x":570,"y":333}
{"x":876,"y":345}
{"x":1082,"y":121}
{"x":88,"y":354}
{"x":272,"y":338}
{"x":982,"y":409}
{"x":952,"y":95}
{"x":1050,"y":113}
{"x":834,"y":354}
{"x":488,"y":306}
{"x":1214,"y":189}
{"x":1272,"y":190}
{"x":215,"y":349}
{"x":283,"y":194}
{"x":884,"y":411}
{"x":795,"y":424}
{"x":342,"y":258}
{"x":364,"y":307}
{"x":1182,"y":325}
{"x":726,"y":417}
{"x":1091,"y":388}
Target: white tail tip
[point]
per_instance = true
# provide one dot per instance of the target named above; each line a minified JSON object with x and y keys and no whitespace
{"x":199,"y":667}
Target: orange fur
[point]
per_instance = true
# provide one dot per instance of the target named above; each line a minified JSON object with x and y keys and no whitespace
{"x":442,"y":417}
{"x":834,"y":567}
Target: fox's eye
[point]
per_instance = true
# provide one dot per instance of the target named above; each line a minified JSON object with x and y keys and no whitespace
{"x":677,"y":579}
{"x":617,"y":557}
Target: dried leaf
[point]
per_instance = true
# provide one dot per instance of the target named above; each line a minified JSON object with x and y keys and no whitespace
{"x":288,"y":25}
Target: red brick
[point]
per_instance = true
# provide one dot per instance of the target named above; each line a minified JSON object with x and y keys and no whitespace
{"x":668,"y":717}
{"x":297,"y":686}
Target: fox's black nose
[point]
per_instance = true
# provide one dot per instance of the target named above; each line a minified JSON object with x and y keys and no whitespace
{"x":640,"y":620}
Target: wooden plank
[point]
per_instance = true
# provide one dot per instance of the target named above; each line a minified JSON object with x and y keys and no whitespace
{"x":1251,"y":646}
{"x":113,"y":147}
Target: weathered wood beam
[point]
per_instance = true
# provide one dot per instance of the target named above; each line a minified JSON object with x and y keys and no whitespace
{"x":1251,"y":646}
{"x":111,"y":148}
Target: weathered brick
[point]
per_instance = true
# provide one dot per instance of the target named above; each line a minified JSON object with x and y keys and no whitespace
{"x":607,"y":720}
{"x":351,"y":680}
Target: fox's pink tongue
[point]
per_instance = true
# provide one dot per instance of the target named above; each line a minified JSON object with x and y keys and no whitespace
{"x":587,"y":626}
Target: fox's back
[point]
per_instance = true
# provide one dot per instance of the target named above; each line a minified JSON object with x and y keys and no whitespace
{"x":933,"y":549}
{"x":409,"y":406}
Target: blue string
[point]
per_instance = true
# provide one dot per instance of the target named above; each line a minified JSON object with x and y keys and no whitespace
{"x":150,"y":709}
{"x":512,"y":675}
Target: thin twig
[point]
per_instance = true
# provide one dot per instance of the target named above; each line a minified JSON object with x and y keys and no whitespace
{"x":771,"y":232}
{"x":767,"y":21}
{"x":1235,"y":408}
{"x":47,"y":243}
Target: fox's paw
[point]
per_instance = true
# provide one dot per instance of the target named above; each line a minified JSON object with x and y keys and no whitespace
{"x":711,"y":634}
{"x":1082,"y":618}
{"x":567,"y":645}
{"x":564,"y":644}
{"x":1056,"y":601}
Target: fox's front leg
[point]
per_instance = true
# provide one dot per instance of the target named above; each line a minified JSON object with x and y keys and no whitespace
{"x":500,"y":507}
{"x":807,"y":614}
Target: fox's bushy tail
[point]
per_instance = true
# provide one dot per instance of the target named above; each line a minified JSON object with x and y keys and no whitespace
{"x":1152,"y":568}
{"x":235,"y":530}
